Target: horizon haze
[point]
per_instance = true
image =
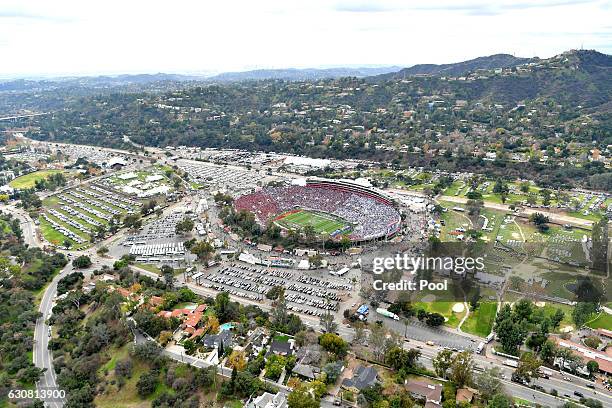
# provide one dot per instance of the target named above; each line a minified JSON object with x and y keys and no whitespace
{"x":70,"y":38}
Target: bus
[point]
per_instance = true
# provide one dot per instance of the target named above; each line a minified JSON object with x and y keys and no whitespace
{"x":510,"y":363}
{"x":480,"y":347}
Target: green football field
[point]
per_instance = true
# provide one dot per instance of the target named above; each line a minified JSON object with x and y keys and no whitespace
{"x":322,"y":223}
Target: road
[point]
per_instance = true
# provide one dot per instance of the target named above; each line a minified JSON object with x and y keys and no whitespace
{"x":42,"y":356}
{"x":555,"y":382}
{"x":25,"y":222}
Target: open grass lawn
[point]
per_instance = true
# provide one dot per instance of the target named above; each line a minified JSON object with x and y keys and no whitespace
{"x":28,"y":180}
{"x":148,"y":267}
{"x":480,"y":321}
{"x":445,"y":308}
{"x":322,"y":223}
{"x":603,"y":321}
{"x":52,"y":235}
{"x":281,"y":338}
{"x":452,"y":220}
{"x":551,"y":308}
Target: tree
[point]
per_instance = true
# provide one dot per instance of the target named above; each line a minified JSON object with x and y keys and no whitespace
{"x":581,"y":313}
{"x":274,"y":292}
{"x":279,"y":314}
{"x":123,"y":368}
{"x":557,"y":318}
{"x":147,"y":383}
{"x":102,"y":251}
{"x":434,"y":319}
{"x":399,"y":359}
{"x":30,"y":375}
{"x":524,"y":187}
{"x":599,"y":252}
{"x":592,"y":403}
{"x":488,"y":383}
{"x":540,"y":220}
{"x":274,"y":366}
{"x":474,"y":206}
{"x":327,"y":321}
{"x":309,"y":233}
{"x":211,"y":325}
{"x":237,"y":360}
{"x":332,"y":371}
{"x":442,"y":362}
{"x":500,"y":401}
{"x":360,"y":333}
{"x":82,"y":262}
{"x":510,"y":329}
{"x":592,"y":366}
{"x":301,"y":398}
{"x":164,"y":337}
{"x":377,"y":338}
{"x":567,"y":357}
{"x":226,"y":310}
{"x":168,"y":273}
{"x":315,"y":261}
{"x":190,"y":347}
{"x":462,"y":368}
{"x":528,"y":367}
{"x":203,"y":250}
{"x":548,"y":352}
{"x":334,"y":344}
{"x":184,"y":226}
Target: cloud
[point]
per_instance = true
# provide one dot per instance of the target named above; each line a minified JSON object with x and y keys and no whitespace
{"x":14,"y":14}
{"x":474,"y":8}
{"x":363,"y":7}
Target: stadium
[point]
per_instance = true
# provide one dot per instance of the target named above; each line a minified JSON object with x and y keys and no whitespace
{"x":334,"y":208}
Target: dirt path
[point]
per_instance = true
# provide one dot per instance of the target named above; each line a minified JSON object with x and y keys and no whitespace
{"x":467,"y":314}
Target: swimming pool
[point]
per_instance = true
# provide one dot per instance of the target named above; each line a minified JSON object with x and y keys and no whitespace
{"x":226,"y":326}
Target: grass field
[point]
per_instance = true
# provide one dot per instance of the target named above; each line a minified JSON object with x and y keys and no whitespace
{"x":321,"y":222}
{"x":603,"y":321}
{"x":28,"y":180}
{"x":480,"y":321}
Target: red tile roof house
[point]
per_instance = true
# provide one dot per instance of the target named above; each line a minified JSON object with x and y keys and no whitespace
{"x":586,"y":354}
{"x":125,"y":293}
{"x":191,"y":319}
{"x":156,"y":301}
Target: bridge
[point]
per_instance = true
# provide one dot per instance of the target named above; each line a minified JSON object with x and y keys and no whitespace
{"x":17,"y":117}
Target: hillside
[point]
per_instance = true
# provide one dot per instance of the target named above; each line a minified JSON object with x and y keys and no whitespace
{"x":460,"y":68}
{"x":308,"y":74}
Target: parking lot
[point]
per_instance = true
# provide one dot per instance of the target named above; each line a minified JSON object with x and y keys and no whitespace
{"x":303,"y":293}
{"x":220,"y":177}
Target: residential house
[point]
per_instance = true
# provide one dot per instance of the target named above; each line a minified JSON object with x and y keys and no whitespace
{"x":363,"y":377}
{"x":465,"y":395}
{"x":281,"y":348}
{"x":213,"y":340}
{"x":267,"y":400}
{"x":306,"y":371}
{"x":431,"y":394}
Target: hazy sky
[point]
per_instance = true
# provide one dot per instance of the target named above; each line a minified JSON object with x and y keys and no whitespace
{"x":61,"y":37}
